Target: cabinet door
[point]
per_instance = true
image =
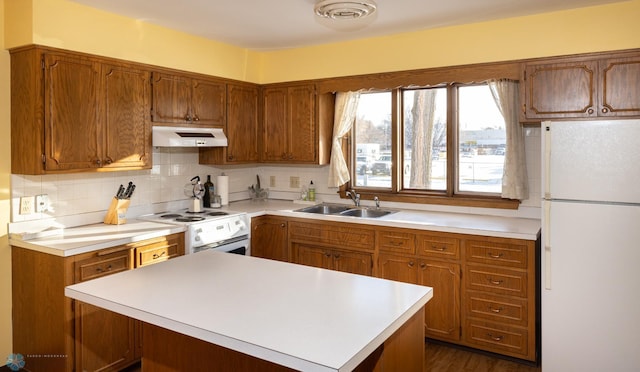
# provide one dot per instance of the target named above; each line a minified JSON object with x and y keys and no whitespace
{"x":560,"y":90}
{"x":208,"y":102}
{"x":619,"y":87}
{"x":442,"y":313}
{"x":351,"y":262}
{"x":72,"y":124}
{"x":242,"y":124}
{"x":312,"y":256}
{"x":275,"y":125}
{"x":269,"y":238}
{"x":127,"y":127}
{"x":402,"y":269}
{"x":302,"y":143}
{"x":171,"y":98}
{"x":104,"y":340}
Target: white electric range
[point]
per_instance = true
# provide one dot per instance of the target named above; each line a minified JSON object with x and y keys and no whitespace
{"x":221,"y":230}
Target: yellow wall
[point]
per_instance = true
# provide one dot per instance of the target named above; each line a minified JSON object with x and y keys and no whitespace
{"x":67,"y":25}
{"x":600,"y":28}
{"x":5,"y":170}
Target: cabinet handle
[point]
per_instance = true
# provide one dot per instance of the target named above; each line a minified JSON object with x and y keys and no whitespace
{"x":284,"y":156}
{"x":230,"y":157}
{"x":495,"y":338}
{"x":187,"y":118}
{"x":395,"y":243}
{"x":411,"y":263}
{"x":422,"y":265}
{"x":282,"y":225}
{"x":495,"y":282}
{"x":108,"y":160}
{"x":327,"y":254}
{"x":98,"y":161}
{"x":494,"y":310}
{"x":155,"y":255}
{"x":336,"y":256}
{"x":196,"y":118}
{"x":590,"y":111}
{"x":605,"y":110}
{"x":499,"y":255}
{"x":436,"y":248}
{"x":99,"y":269}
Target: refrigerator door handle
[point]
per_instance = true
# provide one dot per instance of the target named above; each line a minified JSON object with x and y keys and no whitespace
{"x":547,"y":245}
{"x":547,"y":161}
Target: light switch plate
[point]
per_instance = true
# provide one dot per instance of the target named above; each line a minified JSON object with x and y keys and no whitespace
{"x":272,"y":181}
{"x":294,"y":182}
{"x":27,"y":204}
{"x":42,"y":203}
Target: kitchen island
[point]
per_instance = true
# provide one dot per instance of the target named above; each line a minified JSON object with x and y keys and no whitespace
{"x":218,"y":311}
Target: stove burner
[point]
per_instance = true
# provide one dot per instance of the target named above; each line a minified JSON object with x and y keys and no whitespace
{"x":195,"y":212}
{"x":170,"y":215}
{"x":217,"y":213}
{"x":189,"y":219}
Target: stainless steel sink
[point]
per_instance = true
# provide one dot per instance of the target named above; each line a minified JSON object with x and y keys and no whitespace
{"x":324,"y":209}
{"x":367,"y":213}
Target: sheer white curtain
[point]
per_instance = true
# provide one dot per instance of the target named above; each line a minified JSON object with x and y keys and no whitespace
{"x":345,"y":115}
{"x":514,"y":178}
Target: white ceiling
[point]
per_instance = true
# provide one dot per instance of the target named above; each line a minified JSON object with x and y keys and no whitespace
{"x":278,"y":24}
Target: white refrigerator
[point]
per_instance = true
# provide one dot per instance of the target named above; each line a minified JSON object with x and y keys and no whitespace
{"x":590,"y":264}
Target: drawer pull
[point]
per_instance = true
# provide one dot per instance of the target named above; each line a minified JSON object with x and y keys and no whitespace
{"x":441,"y":249}
{"x":495,"y":310}
{"x":327,"y":254}
{"x":495,"y":338}
{"x":495,"y":282}
{"x":99,"y":269}
{"x":395,"y":243}
{"x":499,"y":255}
{"x":336,"y":256}
{"x":156,"y":256}
{"x":411,"y":263}
{"x":422,"y":265}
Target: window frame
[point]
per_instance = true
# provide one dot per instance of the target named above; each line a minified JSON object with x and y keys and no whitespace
{"x":450,"y":196}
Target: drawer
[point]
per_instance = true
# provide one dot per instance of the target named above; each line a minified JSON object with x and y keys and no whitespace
{"x":496,"y":280}
{"x":496,"y":253}
{"x":508,"y":340}
{"x":158,"y":252}
{"x":438,"y":246}
{"x":396,"y":241}
{"x":508,"y":310}
{"x":346,"y":236}
{"x":101,"y":265}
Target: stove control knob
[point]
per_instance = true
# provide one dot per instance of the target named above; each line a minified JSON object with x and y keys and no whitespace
{"x":197,"y":238}
{"x":198,"y":231}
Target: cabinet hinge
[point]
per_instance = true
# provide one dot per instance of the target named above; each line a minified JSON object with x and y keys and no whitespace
{"x":42,"y":63}
{"x":44,"y":159}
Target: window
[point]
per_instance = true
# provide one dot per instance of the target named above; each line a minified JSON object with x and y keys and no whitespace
{"x":438,"y":141}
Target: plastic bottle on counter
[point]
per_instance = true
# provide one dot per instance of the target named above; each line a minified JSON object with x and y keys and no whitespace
{"x":311,"y":192}
{"x":209,"y":192}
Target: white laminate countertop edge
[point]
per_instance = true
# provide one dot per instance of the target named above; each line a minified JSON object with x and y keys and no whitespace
{"x":460,"y":223}
{"x":322,"y":321}
{"x":89,"y":238}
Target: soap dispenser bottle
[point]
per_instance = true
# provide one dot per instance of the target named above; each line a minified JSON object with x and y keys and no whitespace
{"x":311,"y":192}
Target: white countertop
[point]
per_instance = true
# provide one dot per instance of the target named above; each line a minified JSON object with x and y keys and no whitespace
{"x":301,"y":317}
{"x":88,"y":238}
{"x":461,"y":223}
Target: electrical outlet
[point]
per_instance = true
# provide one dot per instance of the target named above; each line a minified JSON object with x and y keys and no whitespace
{"x":26,"y":204}
{"x":272,"y":181}
{"x":42,"y":203}
{"x":294,"y":182}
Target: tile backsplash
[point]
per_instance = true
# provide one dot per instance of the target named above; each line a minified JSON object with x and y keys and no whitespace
{"x":86,"y":196}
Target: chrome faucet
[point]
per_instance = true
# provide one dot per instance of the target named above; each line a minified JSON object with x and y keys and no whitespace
{"x":354,"y":196}
{"x":377,"y":201}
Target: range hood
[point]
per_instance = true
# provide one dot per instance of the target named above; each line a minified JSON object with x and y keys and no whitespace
{"x":188,"y":137}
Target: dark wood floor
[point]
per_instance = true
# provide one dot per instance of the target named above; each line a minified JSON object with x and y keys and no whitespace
{"x":445,"y":358}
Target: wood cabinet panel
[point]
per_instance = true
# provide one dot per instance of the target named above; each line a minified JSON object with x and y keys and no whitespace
{"x":269,"y":238}
{"x":396,"y":241}
{"x":126,"y":117}
{"x":208,"y":102}
{"x":100,"y":265}
{"x":159,"y":250}
{"x":497,"y":253}
{"x":303,"y":140}
{"x":333,"y":259}
{"x":242,"y":129}
{"x":73,"y":131}
{"x":499,"y":338}
{"x":334,"y":235}
{"x":275,"y":125}
{"x":497,"y":280}
{"x":497,"y":308}
{"x":619,"y":86}
{"x":438,"y":246}
{"x":171,"y":98}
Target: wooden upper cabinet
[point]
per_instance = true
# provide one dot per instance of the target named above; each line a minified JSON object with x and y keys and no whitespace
{"x":71,"y":112}
{"x":73,"y":128}
{"x":183,"y":99}
{"x":297,"y":125}
{"x":619,"y":86}
{"x":560,"y":90}
{"x":582,"y":88}
{"x":242,"y":128}
{"x":126,"y":117}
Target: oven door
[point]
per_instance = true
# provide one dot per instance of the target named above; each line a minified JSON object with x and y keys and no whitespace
{"x":237,"y":245}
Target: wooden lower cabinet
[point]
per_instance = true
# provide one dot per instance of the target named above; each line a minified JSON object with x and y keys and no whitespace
{"x":55,"y":333}
{"x":333,"y":259}
{"x":269,"y":238}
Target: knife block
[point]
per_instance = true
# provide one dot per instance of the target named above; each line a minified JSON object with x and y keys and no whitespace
{"x":117,"y":211}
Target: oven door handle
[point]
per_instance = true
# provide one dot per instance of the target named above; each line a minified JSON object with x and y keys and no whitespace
{"x":226,"y":245}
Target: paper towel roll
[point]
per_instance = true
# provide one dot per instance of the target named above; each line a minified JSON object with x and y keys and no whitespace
{"x":222,"y":187}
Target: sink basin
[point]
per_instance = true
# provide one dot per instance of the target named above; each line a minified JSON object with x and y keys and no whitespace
{"x":366,"y":213}
{"x":324,"y":209}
